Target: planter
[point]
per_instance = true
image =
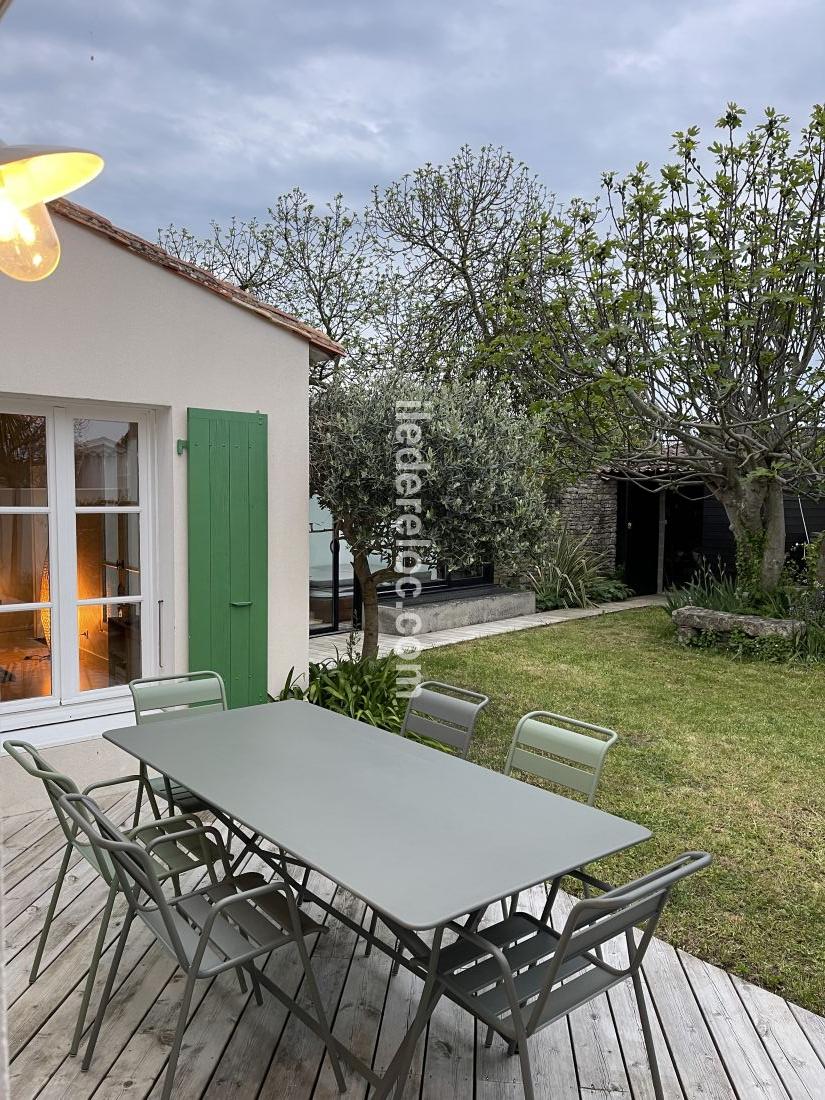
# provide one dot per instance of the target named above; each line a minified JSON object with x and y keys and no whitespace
{"x":691,"y":622}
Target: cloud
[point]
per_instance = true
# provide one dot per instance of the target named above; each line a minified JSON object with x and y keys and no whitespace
{"x":204,"y":109}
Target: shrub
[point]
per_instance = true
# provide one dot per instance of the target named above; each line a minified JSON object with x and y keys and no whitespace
{"x":362,"y":688}
{"x":607,"y":589}
{"x":713,"y":590}
{"x":571,"y":573}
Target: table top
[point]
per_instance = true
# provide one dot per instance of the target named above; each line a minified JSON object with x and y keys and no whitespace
{"x":421,"y":835}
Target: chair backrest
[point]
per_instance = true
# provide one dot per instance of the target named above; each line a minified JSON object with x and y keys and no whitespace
{"x":133,"y":866}
{"x":594,"y":921}
{"x":443,"y":713}
{"x":56,"y":783}
{"x":562,"y":750}
{"x":157,"y":698}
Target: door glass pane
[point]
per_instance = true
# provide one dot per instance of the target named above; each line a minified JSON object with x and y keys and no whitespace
{"x":109,"y":644}
{"x":24,"y":558}
{"x":320,"y":566}
{"x":106,"y":462}
{"x":22,"y":460}
{"x":25,"y":655}
{"x":108,"y":554}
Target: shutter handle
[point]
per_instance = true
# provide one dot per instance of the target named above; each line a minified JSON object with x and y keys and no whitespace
{"x":240,"y":603}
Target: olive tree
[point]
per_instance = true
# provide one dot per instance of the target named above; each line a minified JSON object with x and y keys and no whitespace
{"x":680,"y":319}
{"x":417,"y":475}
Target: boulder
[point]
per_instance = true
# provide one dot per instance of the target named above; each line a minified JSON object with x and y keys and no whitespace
{"x":690,"y":622}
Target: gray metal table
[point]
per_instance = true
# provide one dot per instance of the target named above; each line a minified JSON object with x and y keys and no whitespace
{"x":421,"y":836}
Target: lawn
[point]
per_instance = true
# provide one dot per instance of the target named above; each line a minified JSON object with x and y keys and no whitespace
{"x":714,"y":754}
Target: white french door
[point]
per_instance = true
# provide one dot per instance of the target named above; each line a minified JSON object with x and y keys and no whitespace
{"x":76,"y":619}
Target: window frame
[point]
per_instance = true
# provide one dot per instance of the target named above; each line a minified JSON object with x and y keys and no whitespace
{"x":66,"y":696}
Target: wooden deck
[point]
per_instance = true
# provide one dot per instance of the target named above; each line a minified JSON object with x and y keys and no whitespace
{"x":718,"y":1037}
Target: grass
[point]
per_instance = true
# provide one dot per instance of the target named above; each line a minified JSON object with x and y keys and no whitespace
{"x":714,"y":754}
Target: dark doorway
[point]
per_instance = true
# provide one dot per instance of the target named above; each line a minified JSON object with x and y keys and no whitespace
{"x":637,"y":537}
{"x":684,"y":511}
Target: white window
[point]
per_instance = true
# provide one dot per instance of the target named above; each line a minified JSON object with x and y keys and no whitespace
{"x":74,"y":561}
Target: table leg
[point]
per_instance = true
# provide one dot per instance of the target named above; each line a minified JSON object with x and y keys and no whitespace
{"x":399,"y":1067}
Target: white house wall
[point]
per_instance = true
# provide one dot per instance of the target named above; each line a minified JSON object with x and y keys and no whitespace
{"x":111,"y":327}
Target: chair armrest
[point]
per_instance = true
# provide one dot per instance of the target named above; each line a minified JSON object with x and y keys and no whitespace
{"x":113,"y":782}
{"x":193,"y":821}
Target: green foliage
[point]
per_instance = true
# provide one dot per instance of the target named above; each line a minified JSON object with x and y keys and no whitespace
{"x":607,"y":589}
{"x":741,"y":646}
{"x":570,"y":573}
{"x":568,"y":568}
{"x":711,"y":589}
{"x":750,"y":549}
{"x":481,"y":489}
{"x":794,"y":599}
{"x":680,"y":322}
{"x":362,"y":688}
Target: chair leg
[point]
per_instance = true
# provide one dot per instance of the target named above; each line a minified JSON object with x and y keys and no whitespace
{"x":373,"y":926}
{"x":107,"y":990}
{"x":488,"y":1038}
{"x":93,"y":965}
{"x":150,"y":794}
{"x":526,"y":1072}
{"x":648,"y":1036}
{"x":183,"y":1018}
{"x":44,"y":934}
{"x":396,"y":962}
{"x":519,"y":1046}
{"x":256,"y":987}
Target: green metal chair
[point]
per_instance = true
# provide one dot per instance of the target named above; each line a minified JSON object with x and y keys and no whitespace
{"x":173,"y":846}
{"x":564,"y":751}
{"x":443,"y":714}
{"x":159,"y":698}
{"x":207,"y":931}
{"x":519,"y":976}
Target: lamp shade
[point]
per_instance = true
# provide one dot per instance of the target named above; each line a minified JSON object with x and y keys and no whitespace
{"x":39,"y":173}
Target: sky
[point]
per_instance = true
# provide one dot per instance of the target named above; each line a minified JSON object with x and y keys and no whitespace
{"x":205,"y":109}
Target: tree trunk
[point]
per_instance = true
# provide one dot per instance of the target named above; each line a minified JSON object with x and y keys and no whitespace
{"x":756,"y":512}
{"x":369,"y":605}
{"x":773,"y":555}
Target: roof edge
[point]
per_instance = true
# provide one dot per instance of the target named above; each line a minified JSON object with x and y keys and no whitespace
{"x":153,"y":253}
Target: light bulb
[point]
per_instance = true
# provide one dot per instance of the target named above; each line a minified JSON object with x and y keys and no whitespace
{"x":31,"y":176}
{"x":29,"y":248}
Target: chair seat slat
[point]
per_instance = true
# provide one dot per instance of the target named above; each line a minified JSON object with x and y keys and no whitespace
{"x":462,"y":952}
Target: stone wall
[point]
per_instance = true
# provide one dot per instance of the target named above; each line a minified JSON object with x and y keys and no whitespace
{"x":591,"y":506}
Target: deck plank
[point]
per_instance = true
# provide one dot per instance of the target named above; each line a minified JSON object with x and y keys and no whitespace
{"x":700,"y":1068}
{"x":814,"y":1028}
{"x":790,"y":1050}
{"x":736,"y":1038}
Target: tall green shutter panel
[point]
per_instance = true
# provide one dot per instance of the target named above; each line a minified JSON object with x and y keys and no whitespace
{"x":228,"y":550}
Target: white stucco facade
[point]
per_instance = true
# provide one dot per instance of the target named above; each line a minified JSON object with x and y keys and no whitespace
{"x":112,"y":327}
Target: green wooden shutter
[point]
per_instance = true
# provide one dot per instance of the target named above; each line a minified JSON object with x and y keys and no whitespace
{"x":228,"y":550}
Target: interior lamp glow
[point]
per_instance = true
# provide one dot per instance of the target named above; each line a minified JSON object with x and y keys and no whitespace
{"x":31,"y":176}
